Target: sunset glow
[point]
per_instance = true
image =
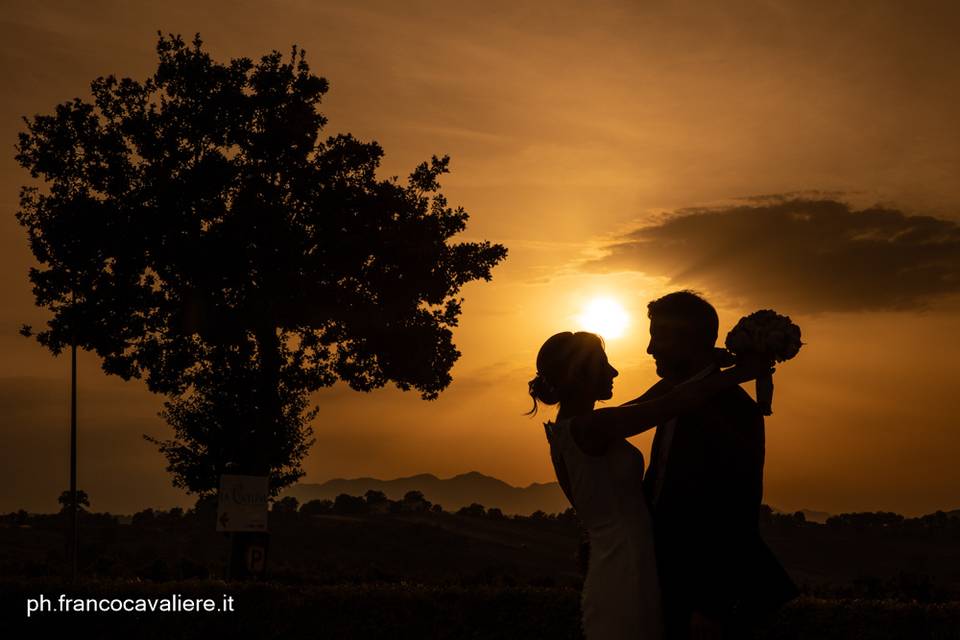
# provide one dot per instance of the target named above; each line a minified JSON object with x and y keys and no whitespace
{"x":620,"y":151}
{"x":606,"y":317}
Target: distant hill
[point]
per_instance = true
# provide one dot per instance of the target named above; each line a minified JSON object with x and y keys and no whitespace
{"x":450,"y":493}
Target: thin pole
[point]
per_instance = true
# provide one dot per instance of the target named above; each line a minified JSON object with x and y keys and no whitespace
{"x":75,"y":528}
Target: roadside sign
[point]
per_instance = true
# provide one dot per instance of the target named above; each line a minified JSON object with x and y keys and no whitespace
{"x":243,"y":503}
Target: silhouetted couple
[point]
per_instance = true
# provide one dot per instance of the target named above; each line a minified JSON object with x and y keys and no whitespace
{"x":677,"y":553}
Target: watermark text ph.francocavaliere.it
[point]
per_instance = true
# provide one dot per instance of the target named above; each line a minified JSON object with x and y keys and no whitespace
{"x":175,"y":603}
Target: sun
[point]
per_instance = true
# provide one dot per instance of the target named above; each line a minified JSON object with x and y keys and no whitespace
{"x":604,"y":316}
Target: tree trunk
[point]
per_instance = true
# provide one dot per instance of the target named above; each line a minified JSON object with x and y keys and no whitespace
{"x":249,"y":550}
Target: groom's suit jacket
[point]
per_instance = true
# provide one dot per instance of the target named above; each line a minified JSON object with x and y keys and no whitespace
{"x":706,"y":513}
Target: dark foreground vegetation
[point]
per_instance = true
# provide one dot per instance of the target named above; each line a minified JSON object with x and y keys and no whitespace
{"x":365,"y":567}
{"x":408,"y":610}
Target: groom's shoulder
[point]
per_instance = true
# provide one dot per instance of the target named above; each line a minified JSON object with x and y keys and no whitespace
{"x":738,"y":396}
{"x":732,"y":419}
{"x":736,"y":402}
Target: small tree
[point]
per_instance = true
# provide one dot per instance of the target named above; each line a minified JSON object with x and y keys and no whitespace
{"x":349,"y":505}
{"x":375,"y":497}
{"x":173,"y":516}
{"x":286,"y":505}
{"x":205,"y":507}
{"x":377,"y":501}
{"x":475,"y":510}
{"x":144,"y":518}
{"x":66,"y":500}
{"x":317,"y":507}
{"x":415,"y":501}
{"x":197,"y":232}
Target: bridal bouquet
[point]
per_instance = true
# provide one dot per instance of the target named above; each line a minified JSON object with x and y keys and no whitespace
{"x":768,"y":334}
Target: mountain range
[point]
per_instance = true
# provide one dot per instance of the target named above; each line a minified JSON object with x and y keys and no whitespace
{"x":468,"y":488}
{"x":451,"y":493}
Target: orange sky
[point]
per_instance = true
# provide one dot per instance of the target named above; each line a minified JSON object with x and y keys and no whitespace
{"x":570,"y":127}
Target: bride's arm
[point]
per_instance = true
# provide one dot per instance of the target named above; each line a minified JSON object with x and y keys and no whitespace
{"x":722,"y":358}
{"x":595,"y":430}
{"x":657,"y":390}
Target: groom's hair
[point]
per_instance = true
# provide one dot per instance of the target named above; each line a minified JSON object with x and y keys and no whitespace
{"x":691,"y":309}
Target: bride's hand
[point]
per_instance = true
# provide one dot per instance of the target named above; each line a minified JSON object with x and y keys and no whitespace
{"x":723,"y":358}
{"x":751,"y":366}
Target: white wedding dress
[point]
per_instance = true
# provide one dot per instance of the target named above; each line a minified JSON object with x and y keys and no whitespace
{"x":621,"y":592}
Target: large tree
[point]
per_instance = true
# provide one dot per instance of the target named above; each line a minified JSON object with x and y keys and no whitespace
{"x":196,"y":231}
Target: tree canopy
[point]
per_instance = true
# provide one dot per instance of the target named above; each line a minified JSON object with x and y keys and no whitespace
{"x":196,"y":230}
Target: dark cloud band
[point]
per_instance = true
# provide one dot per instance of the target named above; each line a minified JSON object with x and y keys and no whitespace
{"x":802,"y":255}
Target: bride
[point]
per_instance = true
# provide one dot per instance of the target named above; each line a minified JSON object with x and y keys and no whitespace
{"x":601,"y":474}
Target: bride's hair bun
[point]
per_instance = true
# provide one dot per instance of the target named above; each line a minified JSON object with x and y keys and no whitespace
{"x":542,"y":390}
{"x":559,"y":365}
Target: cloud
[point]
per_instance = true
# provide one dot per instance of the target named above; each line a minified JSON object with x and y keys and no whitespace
{"x":801,"y":255}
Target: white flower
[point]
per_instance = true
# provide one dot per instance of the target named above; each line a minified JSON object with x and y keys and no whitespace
{"x":765,"y":332}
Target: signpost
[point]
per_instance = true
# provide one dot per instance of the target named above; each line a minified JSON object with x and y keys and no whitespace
{"x":242,"y":513}
{"x":243,"y":503}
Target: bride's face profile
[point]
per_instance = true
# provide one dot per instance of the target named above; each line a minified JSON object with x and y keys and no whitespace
{"x":600,"y":375}
{"x":572,"y":369}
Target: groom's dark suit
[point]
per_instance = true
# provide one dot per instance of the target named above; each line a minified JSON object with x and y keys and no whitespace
{"x":705,"y":514}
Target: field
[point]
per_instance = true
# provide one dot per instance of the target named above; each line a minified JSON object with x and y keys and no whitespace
{"x":443,"y":575}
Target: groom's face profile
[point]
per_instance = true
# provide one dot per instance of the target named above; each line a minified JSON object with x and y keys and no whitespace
{"x":673,"y":347}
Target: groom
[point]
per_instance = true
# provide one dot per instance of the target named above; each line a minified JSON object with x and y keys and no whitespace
{"x":704,"y":486}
